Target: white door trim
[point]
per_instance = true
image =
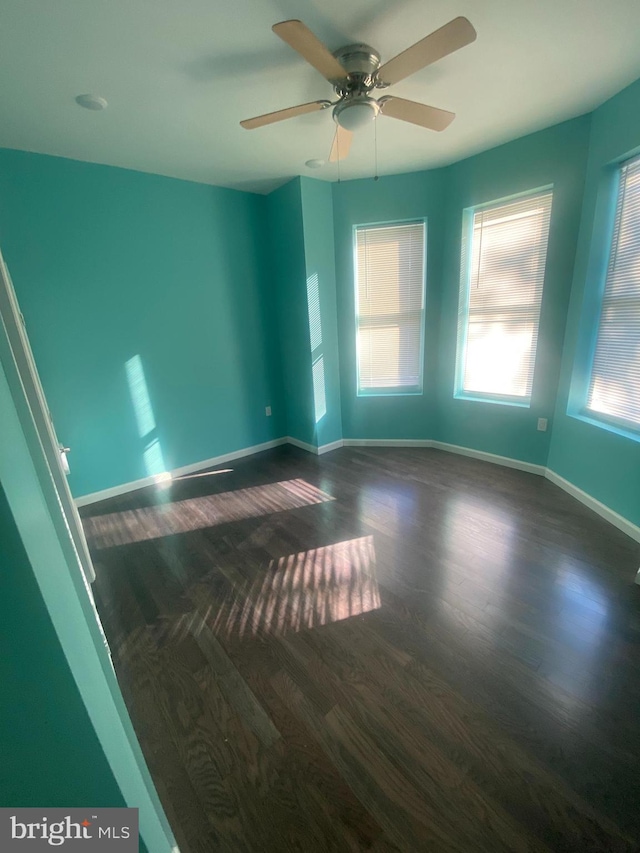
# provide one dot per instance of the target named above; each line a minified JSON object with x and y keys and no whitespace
{"x":25,"y":365}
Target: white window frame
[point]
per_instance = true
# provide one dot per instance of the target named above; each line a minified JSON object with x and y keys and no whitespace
{"x":395,"y":390}
{"x":466,"y":256}
{"x":619,"y":424}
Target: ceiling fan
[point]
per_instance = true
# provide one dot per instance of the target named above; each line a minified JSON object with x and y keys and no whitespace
{"x":355,"y":71}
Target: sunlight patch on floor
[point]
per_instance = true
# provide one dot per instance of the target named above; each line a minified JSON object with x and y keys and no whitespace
{"x":299,"y":591}
{"x":167,"y":519}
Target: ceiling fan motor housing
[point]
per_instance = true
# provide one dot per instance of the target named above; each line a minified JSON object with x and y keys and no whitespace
{"x":356,"y":108}
{"x":361,"y":62}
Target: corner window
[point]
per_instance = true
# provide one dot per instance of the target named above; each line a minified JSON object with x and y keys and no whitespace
{"x":504,"y":251}
{"x":614,"y":384}
{"x":390,"y":288}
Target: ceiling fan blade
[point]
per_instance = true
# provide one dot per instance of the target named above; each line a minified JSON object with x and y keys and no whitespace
{"x":446,"y":40}
{"x":430,"y":117}
{"x":341,"y":145}
{"x":301,"y":39}
{"x":281,"y":115}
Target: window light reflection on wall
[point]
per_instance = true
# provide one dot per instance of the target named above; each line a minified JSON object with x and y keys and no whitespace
{"x":145,"y":419}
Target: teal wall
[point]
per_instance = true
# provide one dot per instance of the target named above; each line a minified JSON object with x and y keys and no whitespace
{"x":603,"y":463}
{"x":109,"y":264}
{"x":209,"y":288}
{"x":291,"y":331}
{"x":50,"y":753}
{"x":319,"y":250}
{"x":555,"y":156}
{"x":361,"y":202}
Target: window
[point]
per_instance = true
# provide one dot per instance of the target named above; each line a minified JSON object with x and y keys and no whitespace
{"x":614,"y":386}
{"x":504,"y":250}
{"x":390,"y":281}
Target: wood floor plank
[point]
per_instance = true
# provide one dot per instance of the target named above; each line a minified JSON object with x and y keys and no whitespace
{"x":235,"y":688}
{"x":398,"y":806}
{"x":470,"y":738}
{"x":380,"y":649}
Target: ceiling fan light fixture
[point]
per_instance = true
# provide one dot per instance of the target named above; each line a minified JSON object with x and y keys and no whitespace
{"x":355,"y":113}
{"x":354,"y":72}
{"x":91,"y":102}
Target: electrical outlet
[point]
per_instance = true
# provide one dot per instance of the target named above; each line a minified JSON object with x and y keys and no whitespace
{"x":542,"y":424}
{"x":267,"y":411}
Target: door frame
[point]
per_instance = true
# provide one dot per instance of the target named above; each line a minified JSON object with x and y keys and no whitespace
{"x":25,"y":365}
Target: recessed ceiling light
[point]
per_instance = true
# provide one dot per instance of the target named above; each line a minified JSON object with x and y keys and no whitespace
{"x":92,"y":102}
{"x":314,"y":164}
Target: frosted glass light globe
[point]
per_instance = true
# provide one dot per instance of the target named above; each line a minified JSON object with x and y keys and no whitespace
{"x":353,"y":115}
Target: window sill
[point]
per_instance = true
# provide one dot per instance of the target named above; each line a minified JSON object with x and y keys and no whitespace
{"x":393,"y":392}
{"x":609,"y":426}
{"x":500,"y":401}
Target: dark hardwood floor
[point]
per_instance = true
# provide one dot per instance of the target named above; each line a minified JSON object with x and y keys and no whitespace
{"x":377,"y":649}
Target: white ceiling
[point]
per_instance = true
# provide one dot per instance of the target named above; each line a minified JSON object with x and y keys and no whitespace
{"x":180,"y":74}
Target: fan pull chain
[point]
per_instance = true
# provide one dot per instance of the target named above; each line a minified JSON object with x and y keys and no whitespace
{"x":375,"y":146}
{"x":338,"y":149}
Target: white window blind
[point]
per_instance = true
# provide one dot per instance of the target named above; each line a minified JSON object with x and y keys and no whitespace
{"x":614,"y":388}
{"x":390,"y":281}
{"x":504,"y":251}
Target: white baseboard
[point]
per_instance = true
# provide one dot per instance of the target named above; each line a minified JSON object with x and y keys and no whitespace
{"x":505,"y":461}
{"x":113,"y":492}
{"x":632,"y":530}
{"x":327,"y":448}
{"x":227,"y":457}
{"x":619,"y":521}
{"x":310,"y":448}
{"x":601,"y":509}
{"x":387,"y":442}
